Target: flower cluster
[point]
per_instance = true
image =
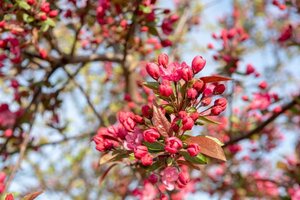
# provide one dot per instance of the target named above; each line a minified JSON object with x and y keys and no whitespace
{"x":157,"y":139}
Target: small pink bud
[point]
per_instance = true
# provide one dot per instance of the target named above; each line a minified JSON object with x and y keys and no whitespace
{"x":153,"y":178}
{"x":219,"y":89}
{"x":216,"y":110}
{"x":147,"y":159}
{"x":147,"y":111}
{"x":140,"y":151}
{"x":8,"y":133}
{"x":153,"y":70}
{"x":198,"y":85}
{"x":31,"y":2}
{"x":250,"y":69}
{"x":151,"y":135}
{"x":221,"y":102}
{"x":206,"y":101}
{"x":43,"y":53}
{"x":173,"y":144}
{"x":188,"y":123}
{"x":186,"y":72}
{"x":263,"y":85}
{"x":53,"y":13}
{"x":43,"y":17}
{"x":193,"y":149}
{"x":165,"y":89}
{"x":183,"y":179}
{"x":163,"y":59}
{"x":192,"y":93}
{"x":198,"y":64}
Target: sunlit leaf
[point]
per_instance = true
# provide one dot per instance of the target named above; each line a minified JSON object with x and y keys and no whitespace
{"x":208,"y":147}
{"x":214,"y":78}
{"x":161,"y":122}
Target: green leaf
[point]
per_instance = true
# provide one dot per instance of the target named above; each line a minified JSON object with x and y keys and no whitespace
{"x":152,"y":85}
{"x":169,"y":109}
{"x":207,"y":120}
{"x":44,"y":27}
{"x":145,"y":9}
{"x":199,"y":159}
{"x":23,"y":4}
{"x":153,"y":31}
{"x":154,"y":147}
{"x":50,"y":22}
{"x":27,"y":18}
{"x":191,"y":110}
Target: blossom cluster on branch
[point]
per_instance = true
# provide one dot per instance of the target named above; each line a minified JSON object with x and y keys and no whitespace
{"x":156,"y":141}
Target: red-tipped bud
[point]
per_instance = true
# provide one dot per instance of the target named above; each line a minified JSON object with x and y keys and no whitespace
{"x":186,"y":72}
{"x":216,"y":110}
{"x":198,"y":85}
{"x":147,"y":159}
{"x":140,"y":151}
{"x":206,"y":101}
{"x":192,"y":93}
{"x":221,"y":102}
{"x":153,"y":70}
{"x":147,"y":111}
{"x":165,"y":89}
{"x":194,"y":116}
{"x":187,"y":123}
{"x":198,"y":64}
{"x":250,"y":69}
{"x":151,"y":135}
{"x":173,"y":144}
{"x":183,"y":180}
{"x":163,"y":59}
{"x":219,"y":89}
{"x":53,"y":13}
{"x":263,"y":85}
{"x":193,"y":149}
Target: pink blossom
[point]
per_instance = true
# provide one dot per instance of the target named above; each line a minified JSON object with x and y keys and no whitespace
{"x":105,"y":140}
{"x":169,"y":176}
{"x":133,"y":139}
{"x":173,"y":144}
{"x":151,"y":135}
{"x":171,"y":72}
{"x":127,"y":120}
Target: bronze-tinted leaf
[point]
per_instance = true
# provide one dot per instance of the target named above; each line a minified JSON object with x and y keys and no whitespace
{"x":161,"y":122}
{"x":208,"y":147}
{"x":32,"y":195}
{"x":214,"y":78}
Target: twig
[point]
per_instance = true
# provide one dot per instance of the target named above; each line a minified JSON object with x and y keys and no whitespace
{"x":86,"y":96}
{"x":260,"y":127}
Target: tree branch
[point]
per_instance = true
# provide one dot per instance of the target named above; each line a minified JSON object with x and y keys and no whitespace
{"x":260,"y":127}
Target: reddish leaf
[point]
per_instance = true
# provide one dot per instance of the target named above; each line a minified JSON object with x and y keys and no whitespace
{"x":161,"y":122}
{"x":214,"y":78}
{"x":32,"y":195}
{"x":208,"y":147}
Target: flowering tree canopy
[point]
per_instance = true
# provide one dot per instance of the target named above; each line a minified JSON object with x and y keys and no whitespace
{"x":149,"y":99}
